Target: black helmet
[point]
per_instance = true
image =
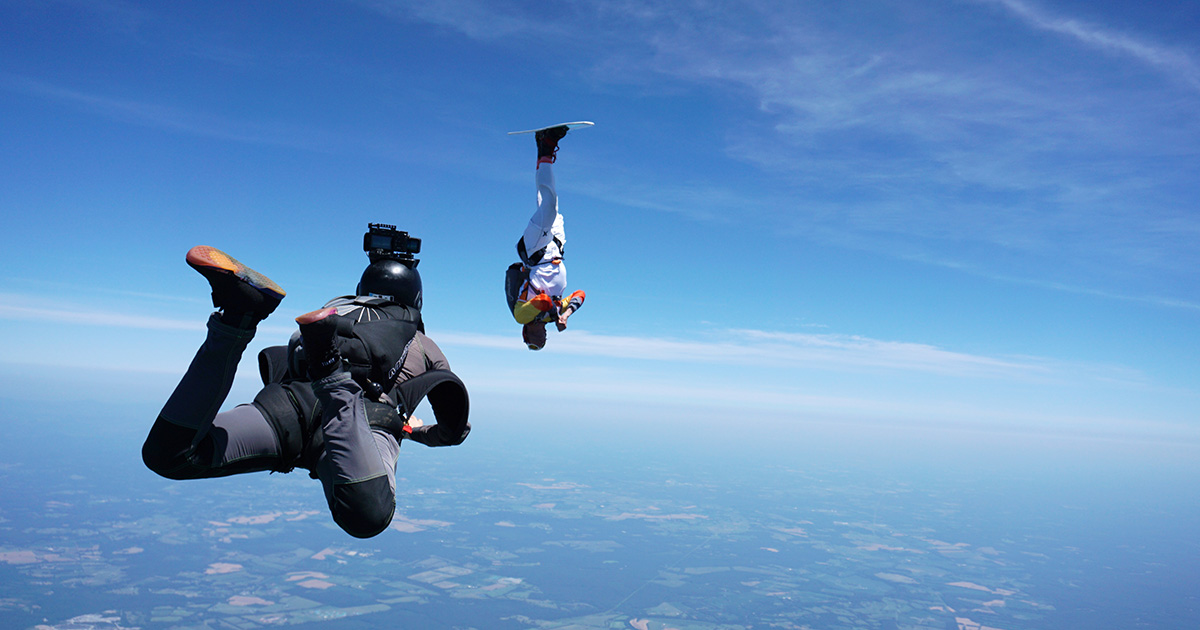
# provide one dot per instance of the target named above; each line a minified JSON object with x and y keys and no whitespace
{"x":392,"y":280}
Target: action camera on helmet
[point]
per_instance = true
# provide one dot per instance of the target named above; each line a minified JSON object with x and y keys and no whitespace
{"x":392,"y":274}
{"x":385,"y":242}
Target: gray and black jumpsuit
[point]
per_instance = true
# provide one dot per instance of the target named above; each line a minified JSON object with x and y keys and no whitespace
{"x":344,"y":429}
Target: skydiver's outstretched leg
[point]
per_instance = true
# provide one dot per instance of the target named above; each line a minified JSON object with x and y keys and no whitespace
{"x":357,"y":466}
{"x":190,"y":440}
{"x":541,"y":229}
{"x":545,"y":230}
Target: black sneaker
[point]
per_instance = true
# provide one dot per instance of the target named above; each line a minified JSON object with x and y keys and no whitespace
{"x":547,"y":142}
{"x":318,"y":332}
{"x":244,"y":295}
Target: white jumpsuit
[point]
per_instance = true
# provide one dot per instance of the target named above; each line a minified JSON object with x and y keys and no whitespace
{"x":545,"y":226}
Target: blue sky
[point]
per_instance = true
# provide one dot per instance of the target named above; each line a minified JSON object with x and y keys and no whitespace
{"x":974,"y":214}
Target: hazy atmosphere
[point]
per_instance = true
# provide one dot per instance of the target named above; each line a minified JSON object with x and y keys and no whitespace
{"x":950,"y":239}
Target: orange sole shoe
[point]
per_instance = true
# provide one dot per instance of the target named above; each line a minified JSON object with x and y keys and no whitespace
{"x":207,"y":259}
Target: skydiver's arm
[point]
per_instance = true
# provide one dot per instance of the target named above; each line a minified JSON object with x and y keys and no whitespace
{"x":439,"y":434}
{"x":573,"y":304}
{"x":562,"y":318}
{"x":444,"y":392}
{"x":435,"y":359}
{"x":422,"y":355}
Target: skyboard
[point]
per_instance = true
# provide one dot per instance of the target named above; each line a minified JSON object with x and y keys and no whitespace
{"x":570,"y":125}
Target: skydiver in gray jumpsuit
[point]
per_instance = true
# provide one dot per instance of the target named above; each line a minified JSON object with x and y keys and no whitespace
{"x":337,"y":400}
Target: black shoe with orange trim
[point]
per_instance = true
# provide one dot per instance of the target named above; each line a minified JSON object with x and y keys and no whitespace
{"x":244,"y":296}
{"x":318,"y":331}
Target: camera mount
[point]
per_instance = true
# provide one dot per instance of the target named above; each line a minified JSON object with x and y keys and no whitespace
{"x":385,"y":242}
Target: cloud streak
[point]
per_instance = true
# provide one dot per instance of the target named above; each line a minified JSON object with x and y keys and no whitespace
{"x":662,"y":398}
{"x":175,"y":119}
{"x":1175,"y":63}
{"x":731,"y":347}
{"x":473,"y":18}
{"x":15,"y":307}
{"x":786,"y":350}
{"x":778,"y":372}
{"x":107,"y":319}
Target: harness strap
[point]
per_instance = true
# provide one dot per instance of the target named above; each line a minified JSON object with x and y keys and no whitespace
{"x":536,"y":257}
{"x":294,"y":414}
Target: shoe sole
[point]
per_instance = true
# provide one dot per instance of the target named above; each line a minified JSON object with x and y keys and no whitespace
{"x":316,"y":316}
{"x":207,"y":259}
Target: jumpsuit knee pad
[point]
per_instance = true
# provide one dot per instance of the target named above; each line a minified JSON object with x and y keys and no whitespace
{"x":363,"y":508}
{"x":165,"y":451}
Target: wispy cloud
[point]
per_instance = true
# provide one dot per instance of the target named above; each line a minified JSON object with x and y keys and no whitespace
{"x":923,"y":143}
{"x":857,"y":377}
{"x":155,"y":115}
{"x":800,"y":351}
{"x":1184,"y":304}
{"x":922,"y":153}
{"x":94,"y":318}
{"x":1176,"y":63}
{"x":660,"y":397}
{"x":728,"y":347}
{"x":475,"y":18}
{"x":19,"y":307}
